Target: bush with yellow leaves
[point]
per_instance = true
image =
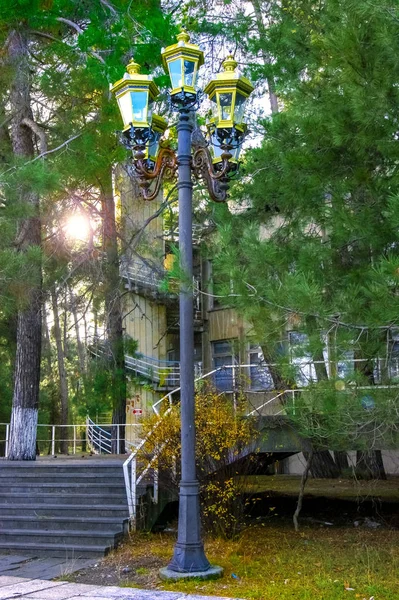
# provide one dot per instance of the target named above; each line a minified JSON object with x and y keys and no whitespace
{"x":224,"y":445}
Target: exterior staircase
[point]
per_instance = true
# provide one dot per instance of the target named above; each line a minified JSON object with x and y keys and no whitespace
{"x":67,"y":508}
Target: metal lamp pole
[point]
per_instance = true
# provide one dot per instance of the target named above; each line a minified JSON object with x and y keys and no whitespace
{"x":189,"y":555}
{"x":228,"y":89}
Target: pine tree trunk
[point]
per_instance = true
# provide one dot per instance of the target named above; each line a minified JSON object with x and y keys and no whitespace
{"x":79,"y":345}
{"x":24,"y":415}
{"x":369,"y":465}
{"x":323,"y":466}
{"x":61,"y":374}
{"x":341,"y":460}
{"x":114,"y":323}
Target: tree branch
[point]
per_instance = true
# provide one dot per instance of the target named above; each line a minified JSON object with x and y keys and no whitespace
{"x":39,"y":133}
{"x":80,"y":31}
{"x":109,"y":6}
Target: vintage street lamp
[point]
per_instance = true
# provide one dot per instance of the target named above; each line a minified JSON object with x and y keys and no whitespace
{"x":135,"y":94}
{"x":228,"y":93}
{"x":182,"y":61}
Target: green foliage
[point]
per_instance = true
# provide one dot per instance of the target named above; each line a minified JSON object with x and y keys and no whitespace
{"x":76,"y":49}
{"x":316,"y":249}
{"x":320,"y":237}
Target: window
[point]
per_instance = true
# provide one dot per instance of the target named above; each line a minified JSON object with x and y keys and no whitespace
{"x":222,"y":355}
{"x":259,"y":373}
{"x":301,"y":358}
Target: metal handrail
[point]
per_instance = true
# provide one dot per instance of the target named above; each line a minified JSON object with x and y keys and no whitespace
{"x":132,"y":482}
{"x":92,"y":435}
{"x":159,"y":371}
{"x":144,"y":272}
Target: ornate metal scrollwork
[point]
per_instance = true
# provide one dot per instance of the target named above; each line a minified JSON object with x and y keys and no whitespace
{"x":216,"y":179}
{"x":149,"y":172}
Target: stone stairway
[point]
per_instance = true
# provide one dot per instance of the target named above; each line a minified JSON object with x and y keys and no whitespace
{"x":62,"y":507}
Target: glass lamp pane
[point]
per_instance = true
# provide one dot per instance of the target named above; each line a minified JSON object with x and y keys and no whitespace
{"x":154,"y":145}
{"x":214,"y":108}
{"x":126,"y":109}
{"x":150,"y":110}
{"x":139,"y":104}
{"x":175,"y":73}
{"x":189,"y":72}
{"x":236,"y":153}
{"x":225,"y":102}
{"x":239,"y":108}
{"x":217,"y":150}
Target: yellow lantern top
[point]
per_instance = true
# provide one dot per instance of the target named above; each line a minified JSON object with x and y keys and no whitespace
{"x":182,"y":61}
{"x":229,"y":91}
{"x":134,"y":77}
{"x":135,"y":93}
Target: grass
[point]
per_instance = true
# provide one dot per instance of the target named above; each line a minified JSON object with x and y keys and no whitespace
{"x":272,"y":562}
{"x":345,"y":489}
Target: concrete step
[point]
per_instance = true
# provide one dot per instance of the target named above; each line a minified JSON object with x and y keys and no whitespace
{"x":62,"y":509}
{"x":62,"y":465}
{"x":67,"y":510}
{"x":65,"y":499}
{"x":64,"y":488}
{"x":74,"y":537}
{"x":33,"y":478}
{"x":67,"y":551}
{"x":34,"y":522}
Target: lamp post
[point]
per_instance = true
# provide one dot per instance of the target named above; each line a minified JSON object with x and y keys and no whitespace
{"x":142,"y":130}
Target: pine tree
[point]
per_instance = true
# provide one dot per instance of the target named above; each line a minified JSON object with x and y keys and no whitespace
{"x":58,"y":137}
{"x":317,"y":250}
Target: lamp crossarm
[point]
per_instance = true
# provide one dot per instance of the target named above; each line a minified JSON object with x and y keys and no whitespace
{"x":216,"y":180}
{"x":164,"y":168}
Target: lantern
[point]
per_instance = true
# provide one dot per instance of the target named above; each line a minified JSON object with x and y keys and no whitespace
{"x":135,"y":93}
{"x":228,"y":93}
{"x":182,"y":61}
{"x":158,"y":128}
{"x":220,"y":145}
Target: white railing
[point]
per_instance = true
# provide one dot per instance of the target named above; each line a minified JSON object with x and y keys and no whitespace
{"x":198,"y":229}
{"x":166,"y":373}
{"x":80,"y":438}
{"x":99,"y":437}
{"x":141,"y":272}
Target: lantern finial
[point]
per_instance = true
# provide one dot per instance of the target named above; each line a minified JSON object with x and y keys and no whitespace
{"x":229,"y":64}
{"x":132,"y":67}
{"x":183,"y":37}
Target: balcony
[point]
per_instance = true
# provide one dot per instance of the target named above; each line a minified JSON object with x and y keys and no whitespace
{"x":161,"y":374}
{"x":145,"y":278}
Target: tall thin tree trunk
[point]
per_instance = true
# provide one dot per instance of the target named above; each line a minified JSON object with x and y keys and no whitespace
{"x":323,"y":464}
{"x":23,"y":429}
{"x":114,"y":322}
{"x":369,"y":464}
{"x":304,"y":479}
{"x":61,"y":374}
{"x":79,"y":345}
{"x":53,"y":388}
